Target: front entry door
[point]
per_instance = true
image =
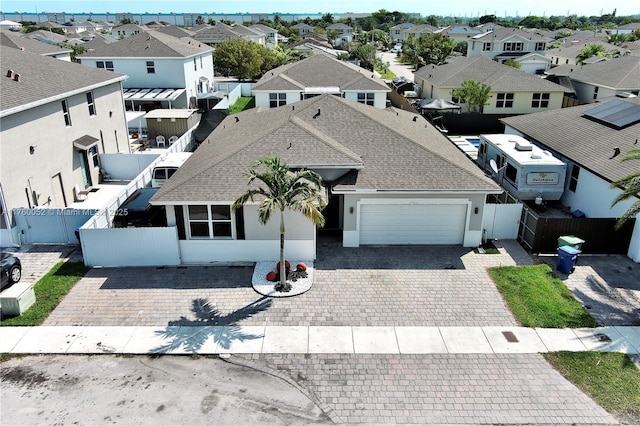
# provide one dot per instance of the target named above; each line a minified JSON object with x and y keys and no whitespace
{"x":84,"y":167}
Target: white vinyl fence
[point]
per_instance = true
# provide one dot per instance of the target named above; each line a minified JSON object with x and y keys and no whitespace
{"x":123,"y":167}
{"x":130,"y":246}
{"x":49,"y":226}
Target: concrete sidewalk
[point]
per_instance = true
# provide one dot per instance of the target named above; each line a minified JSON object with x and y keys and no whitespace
{"x":314,"y":340}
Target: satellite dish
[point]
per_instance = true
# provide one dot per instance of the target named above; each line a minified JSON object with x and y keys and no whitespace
{"x":494,"y":166}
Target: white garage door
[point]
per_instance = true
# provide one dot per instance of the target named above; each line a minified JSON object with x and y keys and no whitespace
{"x":412,"y":223}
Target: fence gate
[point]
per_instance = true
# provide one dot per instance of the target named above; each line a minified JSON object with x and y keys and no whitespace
{"x":50,"y":226}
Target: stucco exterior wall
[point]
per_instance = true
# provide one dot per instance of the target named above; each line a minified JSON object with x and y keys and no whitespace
{"x":44,"y":128}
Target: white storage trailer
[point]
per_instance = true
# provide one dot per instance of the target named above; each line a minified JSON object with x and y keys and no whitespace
{"x":525,"y":170}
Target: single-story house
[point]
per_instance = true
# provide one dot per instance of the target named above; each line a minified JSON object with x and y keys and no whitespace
{"x":591,"y":139}
{"x":319,"y":74}
{"x":390,"y":178}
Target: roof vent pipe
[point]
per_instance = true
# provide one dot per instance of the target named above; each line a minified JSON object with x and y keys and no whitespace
{"x":16,"y":77}
{"x":317,"y":114}
{"x":237,"y":119}
{"x":10,"y":73}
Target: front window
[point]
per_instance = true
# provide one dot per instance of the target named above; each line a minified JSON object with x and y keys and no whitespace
{"x":540,"y":100}
{"x":514,"y":47}
{"x":595,"y":92}
{"x":212,"y":221}
{"x":195,"y":65}
{"x":107,"y":65}
{"x":90,"y":104}
{"x":366,"y":98}
{"x":541,"y":45}
{"x":151,"y":67}
{"x":277,"y":99}
{"x":504,"y":100}
{"x":486,"y":47}
{"x":573,"y":181}
{"x":65,"y":113}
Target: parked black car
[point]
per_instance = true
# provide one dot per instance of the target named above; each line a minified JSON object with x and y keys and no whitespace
{"x":11,"y":270}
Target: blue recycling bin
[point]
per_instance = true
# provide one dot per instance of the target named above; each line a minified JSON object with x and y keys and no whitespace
{"x":567,"y":257}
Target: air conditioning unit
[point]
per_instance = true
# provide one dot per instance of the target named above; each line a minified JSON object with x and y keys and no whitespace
{"x":17,"y":299}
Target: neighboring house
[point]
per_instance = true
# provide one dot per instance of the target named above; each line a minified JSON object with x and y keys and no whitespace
{"x":309,"y":48}
{"x":624,"y":29}
{"x":55,"y":118}
{"x":10,"y":25}
{"x":345,"y":33}
{"x":97,"y":42}
{"x":503,"y":44}
{"x":157,"y":63}
{"x":172,"y":30}
{"x":567,"y":53}
{"x":390,"y":178}
{"x":458,"y":32}
{"x":47,"y":37}
{"x":216,"y":34}
{"x":34,"y":46}
{"x":301,"y":28}
{"x":512,"y":91}
{"x":317,"y":75}
{"x":604,"y":79}
{"x":127,"y":30}
{"x":271,"y":35}
{"x":592,"y":144}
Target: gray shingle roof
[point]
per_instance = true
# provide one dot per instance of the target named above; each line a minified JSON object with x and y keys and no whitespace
{"x":30,"y":45}
{"x":320,"y":71}
{"x":582,"y":140}
{"x":150,"y":44}
{"x":500,"y":77}
{"x":44,"y":78}
{"x":501,"y":33}
{"x":619,"y":73}
{"x":397,"y":152}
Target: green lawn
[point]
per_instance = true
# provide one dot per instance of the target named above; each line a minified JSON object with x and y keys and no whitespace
{"x":389,"y":75}
{"x":49,"y":291}
{"x":610,"y":378}
{"x":241,"y":104}
{"x":537,"y":298}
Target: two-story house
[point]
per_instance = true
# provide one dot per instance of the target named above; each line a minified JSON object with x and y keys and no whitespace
{"x":317,"y":75}
{"x":301,"y":28}
{"x":567,"y":53}
{"x":344,"y":31}
{"x":271,"y":34}
{"x":512,"y":91}
{"x":459,"y":33}
{"x":401,"y":32}
{"x":502,"y":44}
{"x":55,"y":118}
{"x":127,"y":30}
{"x":166,"y":71}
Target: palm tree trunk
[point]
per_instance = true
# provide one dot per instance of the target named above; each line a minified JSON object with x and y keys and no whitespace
{"x":283,"y":266}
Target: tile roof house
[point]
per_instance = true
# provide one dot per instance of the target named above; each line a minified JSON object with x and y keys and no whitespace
{"x":601,"y":80}
{"x":592,"y":145}
{"x":175,"y":69}
{"x":34,"y":46}
{"x":502,"y":44}
{"x":512,"y":91}
{"x":317,"y":75}
{"x":391,"y":178}
{"x":56,"y":117}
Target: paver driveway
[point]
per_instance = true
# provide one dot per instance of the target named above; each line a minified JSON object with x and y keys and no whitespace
{"x":376,"y":286}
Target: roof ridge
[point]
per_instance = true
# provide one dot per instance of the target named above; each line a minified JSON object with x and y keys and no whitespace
{"x":324,"y":138}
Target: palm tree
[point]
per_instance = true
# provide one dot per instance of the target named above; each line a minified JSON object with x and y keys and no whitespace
{"x":630,"y":189}
{"x":283,"y":189}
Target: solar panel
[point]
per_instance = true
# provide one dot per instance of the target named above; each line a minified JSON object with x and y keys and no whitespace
{"x":616,"y":113}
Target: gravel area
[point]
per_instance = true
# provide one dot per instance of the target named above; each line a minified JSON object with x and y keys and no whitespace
{"x":266,"y":288}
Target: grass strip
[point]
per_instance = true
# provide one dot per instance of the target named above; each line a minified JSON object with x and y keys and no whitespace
{"x":49,"y":291}
{"x":537,"y":298}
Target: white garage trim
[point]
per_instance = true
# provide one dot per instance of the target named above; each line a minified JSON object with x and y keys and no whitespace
{"x":412,"y":221}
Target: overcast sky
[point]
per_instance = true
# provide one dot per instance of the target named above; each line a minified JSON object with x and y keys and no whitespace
{"x":425,"y":7}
